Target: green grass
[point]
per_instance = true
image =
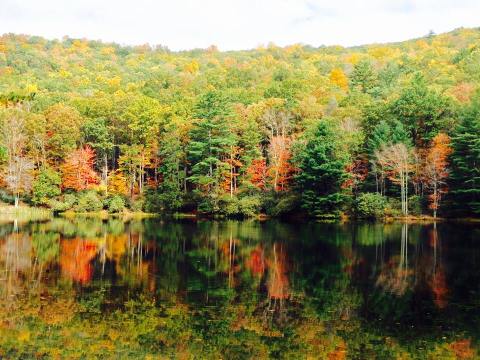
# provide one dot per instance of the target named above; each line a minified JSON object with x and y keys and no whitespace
{"x":125,"y":215}
{"x":9,"y":213}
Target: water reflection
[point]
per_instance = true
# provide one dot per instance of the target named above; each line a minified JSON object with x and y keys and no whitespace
{"x":343,"y":290}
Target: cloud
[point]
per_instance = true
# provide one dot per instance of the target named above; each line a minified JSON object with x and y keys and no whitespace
{"x":240,"y":24}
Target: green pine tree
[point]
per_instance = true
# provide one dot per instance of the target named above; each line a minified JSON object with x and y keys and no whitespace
{"x":465,"y":176}
{"x":211,"y":140}
{"x":423,"y":111}
{"x":364,"y":77}
{"x":321,"y":173}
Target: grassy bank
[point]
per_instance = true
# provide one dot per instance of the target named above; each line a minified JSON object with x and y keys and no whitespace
{"x":10,"y":213}
{"x":124,"y":215}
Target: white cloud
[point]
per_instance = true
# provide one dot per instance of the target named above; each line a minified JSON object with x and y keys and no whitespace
{"x":240,"y":24}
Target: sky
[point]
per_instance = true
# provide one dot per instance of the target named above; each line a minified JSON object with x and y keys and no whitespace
{"x":237,"y":24}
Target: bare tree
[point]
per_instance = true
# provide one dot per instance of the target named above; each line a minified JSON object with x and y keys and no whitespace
{"x":396,"y":160}
{"x":18,"y":176}
{"x":379,"y":173}
{"x":279,"y":155}
{"x":277,"y":127}
{"x":18,"y":170}
{"x":277,"y":122}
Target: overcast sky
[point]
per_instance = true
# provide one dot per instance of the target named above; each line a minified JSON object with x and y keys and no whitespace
{"x":237,"y":24}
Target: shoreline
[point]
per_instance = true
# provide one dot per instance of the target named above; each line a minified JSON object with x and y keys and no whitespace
{"x":27,"y":213}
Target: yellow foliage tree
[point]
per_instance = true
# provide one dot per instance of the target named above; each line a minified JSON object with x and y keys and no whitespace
{"x":338,"y":77}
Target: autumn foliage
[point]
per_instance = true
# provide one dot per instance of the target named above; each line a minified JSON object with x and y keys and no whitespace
{"x":294,"y":130}
{"x":357,"y":171}
{"x":78,"y":173}
{"x":257,"y":173}
{"x":75,"y":259}
{"x":280,"y":170}
{"x":436,"y":169}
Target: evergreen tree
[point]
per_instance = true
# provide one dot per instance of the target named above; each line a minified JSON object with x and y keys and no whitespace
{"x":400,"y":134}
{"x":465,"y":177}
{"x":424,"y":112}
{"x":385,"y":133}
{"x":364,"y":77}
{"x":172,"y":167}
{"x":321,"y":172}
{"x":381,"y":135}
{"x":209,"y":147}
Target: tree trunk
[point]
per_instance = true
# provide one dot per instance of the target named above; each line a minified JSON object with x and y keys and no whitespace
{"x":406,"y":191}
{"x":185,"y":180}
{"x":105,"y":172}
{"x":231,"y":180}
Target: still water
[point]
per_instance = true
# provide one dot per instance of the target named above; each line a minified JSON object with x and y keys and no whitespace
{"x":86,"y":289}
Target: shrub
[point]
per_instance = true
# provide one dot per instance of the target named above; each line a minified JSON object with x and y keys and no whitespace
{"x":162,"y":199}
{"x":249,"y":206}
{"x":46,"y":186}
{"x":280,"y":204}
{"x":137,"y":204}
{"x":370,"y":206}
{"x":232,"y":206}
{"x":415,"y":205}
{"x":7,"y":198}
{"x":116,"y":204}
{"x":88,"y":201}
{"x":228,"y":205}
{"x":69,"y":201}
{"x":394,"y":207}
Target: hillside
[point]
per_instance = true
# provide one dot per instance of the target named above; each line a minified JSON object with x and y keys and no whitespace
{"x":322,"y":130}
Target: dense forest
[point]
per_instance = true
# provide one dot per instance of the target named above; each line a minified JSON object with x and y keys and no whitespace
{"x":371,"y":131}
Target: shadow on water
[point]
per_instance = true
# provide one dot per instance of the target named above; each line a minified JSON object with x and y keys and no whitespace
{"x":231,"y":289}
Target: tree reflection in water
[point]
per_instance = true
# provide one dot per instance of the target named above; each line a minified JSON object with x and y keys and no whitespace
{"x":280,"y":291}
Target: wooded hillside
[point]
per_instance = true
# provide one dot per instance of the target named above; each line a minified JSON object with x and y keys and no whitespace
{"x":379,"y":129}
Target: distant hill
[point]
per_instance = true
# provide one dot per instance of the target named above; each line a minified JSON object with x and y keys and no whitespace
{"x":79,"y":67}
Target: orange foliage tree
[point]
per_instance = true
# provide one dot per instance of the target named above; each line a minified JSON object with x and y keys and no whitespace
{"x":231,"y":173}
{"x":76,"y":256}
{"x":117,"y":183}
{"x":277,"y":282}
{"x":257,"y":173}
{"x":78,"y":173}
{"x":436,"y":169}
{"x":280,"y":169}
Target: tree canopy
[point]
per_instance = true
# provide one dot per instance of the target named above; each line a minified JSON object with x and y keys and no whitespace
{"x":275,"y":130}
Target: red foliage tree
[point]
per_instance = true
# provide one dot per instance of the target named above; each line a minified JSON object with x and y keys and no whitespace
{"x":257,"y":173}
{"x":358,"y":171}
{"x":78,"y":173}
{"x":256,"y":262}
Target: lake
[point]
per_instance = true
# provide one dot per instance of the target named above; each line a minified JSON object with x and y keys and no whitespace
{"x":86,"y":288}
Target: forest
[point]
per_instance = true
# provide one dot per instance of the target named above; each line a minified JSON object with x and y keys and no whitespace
{"x":381,"y":130}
